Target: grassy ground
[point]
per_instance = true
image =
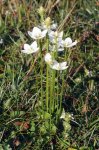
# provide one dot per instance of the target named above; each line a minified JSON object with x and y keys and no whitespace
{"x":19,"y":127}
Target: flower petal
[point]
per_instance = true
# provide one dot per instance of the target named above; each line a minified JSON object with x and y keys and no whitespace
{"x":63,"y":65}
{"x":30,"y":34}
{"x":55,"y":65}
{"x":72,"y":44}
{"x":48,"y":58}
{"x":35,"y":50}
{"x":34,"y":45}
{"x":54,"y":26}
{"x":44,"y":33}
{"x":62,"y":115}
{"x":51,"y":34}
{"x":59,"y":66}
{"x":25,"y":51}
{"x":53,"y":47}
{"x":60,"y":34}
{"x":55,"y":36}
{"x":36,"y":31}
{"x":26,"y":46}
{"x":60,"y":49}
{"x":68,"y":41}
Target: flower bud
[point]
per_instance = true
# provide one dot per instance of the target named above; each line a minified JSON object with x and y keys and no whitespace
{"x":87,"y":72}
{"x":47,"y":21}
{"x":78,"y":80}
{"x":41,"y":11}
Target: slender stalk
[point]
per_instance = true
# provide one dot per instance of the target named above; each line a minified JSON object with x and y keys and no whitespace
{"x":57,"y":97}
{"x":47,"y":88}
{"x":41,"y":73}
{"x":57,"y":88}
{"x":48,"y":101}
{"x":61,"y":93}
{"x":47,"y":80}
{"x":52,"y":90}
{"x":69,"y":55}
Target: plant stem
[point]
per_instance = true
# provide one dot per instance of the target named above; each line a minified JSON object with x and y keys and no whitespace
{"x":47,"y":80}
{"x":41,"y":73}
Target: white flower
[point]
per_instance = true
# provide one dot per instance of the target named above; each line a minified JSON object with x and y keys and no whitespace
{"x":68,"y":42}
{"x":55,"y":36}
{"x":1,"y":41}
{"x":53,"y":48}
{"x":7,"y":12}
{"x":50,"y":27}
{"x":29,"y":49}
{"x":37,"y":33}
{"x":46,"y":24}
{"x":48,"y":58}
{"x":59,"y":66}
{"x":54,"y":64}
{"x":62,"y":115}
{"x":53,"y":26}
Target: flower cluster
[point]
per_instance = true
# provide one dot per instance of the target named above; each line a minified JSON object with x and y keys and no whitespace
{"x":56,"y":43}
{"x":54,"y":64}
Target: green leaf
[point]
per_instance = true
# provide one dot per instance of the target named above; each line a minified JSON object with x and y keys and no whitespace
{"x":7,"y":104}
{"x":32,"y":126}
{"x":46,"y":115}
{"x":16,"y":113}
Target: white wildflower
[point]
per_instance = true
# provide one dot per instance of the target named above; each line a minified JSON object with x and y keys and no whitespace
{"x":56,"y":48}
{"x":1,"y":41}
{"x":48,"y":25}
{"x":59,"y":66}
{"x":37,"y":33}
{"x":29,"y":49}
{"x":48,"y":58}
{"x":55,"y":37}
{"x":54,"y":64}
{"x":68,"y":42}
{"x":62,"y":115}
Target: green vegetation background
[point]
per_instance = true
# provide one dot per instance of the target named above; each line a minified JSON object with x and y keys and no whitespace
{"x":17,"y":96}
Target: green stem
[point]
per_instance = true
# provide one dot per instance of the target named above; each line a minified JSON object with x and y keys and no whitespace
{"x":52,"y":83}
{"x":41,"y":73}
{"x":57,"y":97}
{"x":47,"y":80}
{"x":47,"y":88}
{"x":69,"y":55}
{"x":61,"y":94}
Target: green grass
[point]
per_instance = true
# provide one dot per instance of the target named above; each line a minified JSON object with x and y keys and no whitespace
{"x":22,"y":126}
